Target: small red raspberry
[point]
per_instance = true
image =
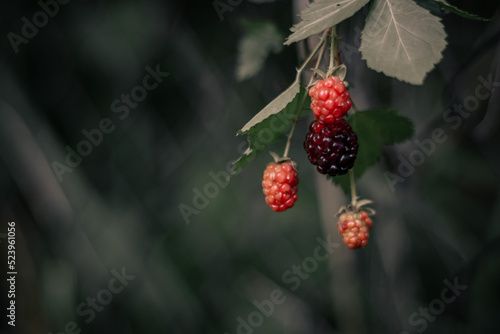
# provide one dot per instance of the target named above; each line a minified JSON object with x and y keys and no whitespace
{"x":280,"y":185}
{"x":331,"y":147}
{"x":330,"y":100}
{"x":354,"y":228}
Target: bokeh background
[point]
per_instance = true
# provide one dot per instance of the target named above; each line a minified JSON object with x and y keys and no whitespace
{"x":118,"y":211}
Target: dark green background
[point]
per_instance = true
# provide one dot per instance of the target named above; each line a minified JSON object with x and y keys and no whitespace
{"x":120,"y":207}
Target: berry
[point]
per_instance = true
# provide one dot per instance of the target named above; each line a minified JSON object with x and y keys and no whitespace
{"x":330,"y":100}
{"x":331,"y":147}
{"x":353,"y":228}
{"x":280,"y":185}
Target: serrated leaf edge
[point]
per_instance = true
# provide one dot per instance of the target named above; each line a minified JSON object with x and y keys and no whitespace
{"x":298,"y":30}
{"x":369,"y":61}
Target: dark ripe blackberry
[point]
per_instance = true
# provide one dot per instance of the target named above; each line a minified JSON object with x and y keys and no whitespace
{"x":332,"y":148}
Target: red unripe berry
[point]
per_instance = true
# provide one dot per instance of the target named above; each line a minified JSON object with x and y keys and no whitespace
{"x":353,"y":227}
{"x":330,"y":100}
{"x":280,"y":185}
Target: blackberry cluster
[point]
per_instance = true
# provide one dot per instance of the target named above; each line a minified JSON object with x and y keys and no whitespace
{"x":353,"y":227}
{"x":330,"y":100}
{"x":279,"y":185}
{"x":331,"y":147}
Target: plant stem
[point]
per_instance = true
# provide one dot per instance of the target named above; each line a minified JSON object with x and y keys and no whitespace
{"x":353,"y":187}
{"x":333,"y":48}
{"x":292,"y":130}
{"x":337,"y":51}
{"x":354,"y":106}
{"x":313,"y":53}
{"x":301,"y":105}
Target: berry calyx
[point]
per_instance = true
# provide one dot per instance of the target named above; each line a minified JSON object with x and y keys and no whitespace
{"x":332,"y":148}
{"x":330,"y":100}
{"x":280,"y":185}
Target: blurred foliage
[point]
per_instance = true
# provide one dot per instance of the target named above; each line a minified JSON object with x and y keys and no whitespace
{"x":260,"y":39}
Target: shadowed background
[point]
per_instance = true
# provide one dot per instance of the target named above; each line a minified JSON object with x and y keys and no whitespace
{"x":118,"y":210}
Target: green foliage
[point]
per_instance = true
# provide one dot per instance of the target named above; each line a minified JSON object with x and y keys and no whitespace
{"x":274,"y":107}
{"x":321,"y":15}
{"x":402,"y":40}
{"x":445,"y":5}
{"x":260,"y":39}
{"x":270,"y":123}
{"x":374,"y":128}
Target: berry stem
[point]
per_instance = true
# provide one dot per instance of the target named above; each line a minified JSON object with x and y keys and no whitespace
{"x":353,"y":188}
{"x":290,"y":135}
{"x":321,"y":45}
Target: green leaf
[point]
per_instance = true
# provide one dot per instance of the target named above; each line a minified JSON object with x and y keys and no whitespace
{"x":261,"y":38}
{"x":270,"y":128}
{"x":445,"y":5}
{"x":321,"y":15}
{"x":374,"y":128}
{"x":402,"y":40}
{"x":274,"y":107}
